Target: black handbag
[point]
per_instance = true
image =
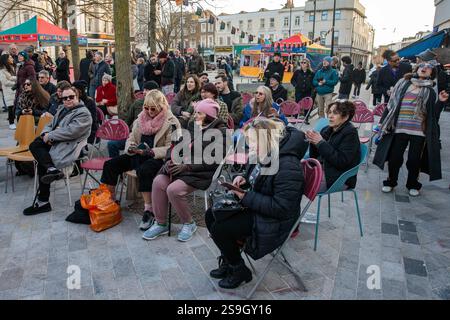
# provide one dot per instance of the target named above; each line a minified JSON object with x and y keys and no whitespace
{"x":224,"y":204}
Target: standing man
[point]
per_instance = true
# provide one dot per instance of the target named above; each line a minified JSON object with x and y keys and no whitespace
{"x":274,"y":67}
{"x":359,"y":77}
{"x":346,"y":78}
{"x":150,"y":69}
{"x":62,"y":67}
{"x":100,"y":69}
{"x":196,"y":64}
{"x":324,"y":81}
{"x":14,"y":52}
{"x":391,"y":73}
{"x":35,"y":57}
{"x":180,"y":70}
{"x":44,"y":80}
{"x":167,"y":73}
{"x":84,"y":67}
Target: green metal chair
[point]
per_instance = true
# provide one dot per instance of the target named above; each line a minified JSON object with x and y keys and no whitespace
{"x":338,"y":187}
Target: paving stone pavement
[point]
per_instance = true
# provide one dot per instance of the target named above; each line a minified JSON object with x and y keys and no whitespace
{"x":407,"y":239}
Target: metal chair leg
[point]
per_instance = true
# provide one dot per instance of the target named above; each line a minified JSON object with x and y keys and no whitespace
{"x":12,"y":175}
{"x":329,"y":206}
{"x":67,"y":180}
{"x":170,"y":219}
{"x":85,"y":180}
{"x":6,"y":177}
{"x":35,"y":184}
{"x":250,"y":263}
{"x":317,"y":223}
{"x":357,"y":212}
{"x":260,"y":279}
{"x":294,"y":272}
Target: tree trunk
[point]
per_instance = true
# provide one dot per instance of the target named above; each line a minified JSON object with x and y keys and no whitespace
{"x":124,"y":78}
{"x":72,"y":14}
{"x":152,"y":25}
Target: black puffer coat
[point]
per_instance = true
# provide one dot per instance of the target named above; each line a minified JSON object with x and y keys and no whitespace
{"x":346,"y":80}
{"x":275,"y":200}
{"x":339,"y":152}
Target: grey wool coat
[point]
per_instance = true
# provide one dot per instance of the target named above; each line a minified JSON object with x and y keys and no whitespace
{"x":65,"y":136}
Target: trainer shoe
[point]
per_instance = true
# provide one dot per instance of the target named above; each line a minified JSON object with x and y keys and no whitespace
{"x":12,"y":127}
{"x":155,"y":231}
{"x":36,"y":209}
{"x":52,"y":175}
{"x":147,"y":220}
{"x":387,"y":189}
{"x":414,"y":192}
{"x":187,"y":232}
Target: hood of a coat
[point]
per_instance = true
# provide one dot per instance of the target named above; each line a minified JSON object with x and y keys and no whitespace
{"x":293,"y":143}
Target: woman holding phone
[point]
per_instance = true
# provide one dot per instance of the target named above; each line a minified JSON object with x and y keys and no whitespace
{"x":33,"y":100}
{"x":145,"y":148}
{"x":271,"y":200}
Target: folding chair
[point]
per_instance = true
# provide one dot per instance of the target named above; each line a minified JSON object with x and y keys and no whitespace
{"x":291,"y":110}
{"x":338,"y":186}
{"x":69,"y":169}
{"x":363,"y":116}
{"x":306,"y":104}
{"x":359,"y":104}
{"x":312,"y":171}
{"x":115,"y":130}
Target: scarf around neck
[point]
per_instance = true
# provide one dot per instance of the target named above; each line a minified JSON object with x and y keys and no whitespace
{"x":150,"y":126}
{"x":398,"y":94}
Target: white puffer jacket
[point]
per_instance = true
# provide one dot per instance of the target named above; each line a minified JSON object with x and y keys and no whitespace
{"x":8,"y":81}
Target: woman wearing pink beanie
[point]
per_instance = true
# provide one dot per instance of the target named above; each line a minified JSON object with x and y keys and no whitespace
{"x":176,"y":181}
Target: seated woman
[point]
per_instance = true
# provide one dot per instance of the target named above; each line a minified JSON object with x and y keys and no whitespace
{"x":33,"y":100}
{"x":146,"y":148}
{"x":182,"y":105}
{"x":262,"y":105}
{"x":209,"y":91}
{"x":337,"y":146}
{"x":106,"y":96}
{"x":176,"y":181}
{"x":271,"y":202}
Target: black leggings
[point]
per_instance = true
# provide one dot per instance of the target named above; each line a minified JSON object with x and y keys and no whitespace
{"x":227,"y":233}
{"x":11,"y":114}
{"x":398,"y":147}
{"x":357,"y":90}
{"x":146,"y":170}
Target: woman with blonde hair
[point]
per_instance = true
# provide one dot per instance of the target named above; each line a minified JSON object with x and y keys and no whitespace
{"x":271,"y":199}
{"x":146,"y":148}
{"x":262,"y":105}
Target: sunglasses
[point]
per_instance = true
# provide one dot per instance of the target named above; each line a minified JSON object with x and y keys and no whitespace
{"x":425,"y":65}
{"x":152,"y":109}
{"x":259,"y":93}
{"x":304,"y":62}
{"x":42,"y":77}
{"x":71,"y":97}
{"x":26,"y":84}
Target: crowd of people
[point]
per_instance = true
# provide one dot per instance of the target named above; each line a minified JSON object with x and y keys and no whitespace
{"x":176,"y":94}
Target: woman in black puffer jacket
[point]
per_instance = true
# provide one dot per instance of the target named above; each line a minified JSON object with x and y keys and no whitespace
{"x":272,"y":202}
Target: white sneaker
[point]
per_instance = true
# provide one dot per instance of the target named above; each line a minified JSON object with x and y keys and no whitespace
{"x":414,"y":193}
{"x":387,"y":189}
{"x":12,"y":126}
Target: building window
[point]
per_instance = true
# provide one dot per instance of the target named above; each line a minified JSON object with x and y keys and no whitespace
{"x":310,"y":35}
{"x":311,"y":16}
{"x":229,"y":41}
{"x":297,"y":20}
{"x":228,"y":25}
{"x":241,"y":24}
{"x":286,"y":22}
{"x":249,"y":24}
{"x":26,"y":16}
{"x":285,"y":35}
{"x":336,"y":37}
{"x":323,"y":35}
{"x":324,"y":15}
{"x":272,"y":22}
{"x":89,"y":25}
{"x":271,"y":37}
{"x":203,"y":27}
{"x":338,"y":15}
{"x":262,"y":23}
{"x":220,"y":41}
{"x":105,"y":25}
{"x":210,"y":42}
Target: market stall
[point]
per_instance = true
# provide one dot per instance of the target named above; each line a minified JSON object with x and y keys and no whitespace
{"x":251,"y":62}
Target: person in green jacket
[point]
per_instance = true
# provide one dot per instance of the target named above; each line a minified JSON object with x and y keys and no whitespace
{"x":324,"y":81}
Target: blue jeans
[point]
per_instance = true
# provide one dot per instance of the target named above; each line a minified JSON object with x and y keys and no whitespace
{"x":92,"y":89}
{"x":114,"y":148}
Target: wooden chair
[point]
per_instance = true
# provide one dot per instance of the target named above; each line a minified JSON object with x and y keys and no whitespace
{"x":24,"y":135}
{"x":43,"y":122}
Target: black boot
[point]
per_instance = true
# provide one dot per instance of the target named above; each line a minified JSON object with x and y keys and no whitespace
{"x":223,"y":270}
{"x":238,"y":274}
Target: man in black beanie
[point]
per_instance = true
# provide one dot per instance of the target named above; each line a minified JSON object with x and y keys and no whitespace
{"x":114,"y":147}
{"x":274,"y":67}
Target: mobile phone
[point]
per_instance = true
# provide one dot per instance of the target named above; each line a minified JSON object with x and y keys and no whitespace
{"x":143,"y":146}
{"x":230,"y":186}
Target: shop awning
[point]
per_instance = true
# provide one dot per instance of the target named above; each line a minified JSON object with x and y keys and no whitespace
{"x":432,"y":41}
{"x":38,"y":30}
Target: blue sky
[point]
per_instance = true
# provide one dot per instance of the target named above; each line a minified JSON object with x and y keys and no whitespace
{"x":405,"y":17}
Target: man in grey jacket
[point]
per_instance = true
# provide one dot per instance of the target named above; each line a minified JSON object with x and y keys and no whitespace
{"x":100,"y":68}
{"x":59,"y":146}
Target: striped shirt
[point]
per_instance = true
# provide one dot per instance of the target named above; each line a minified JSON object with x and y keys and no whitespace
{"x":408,"y":122}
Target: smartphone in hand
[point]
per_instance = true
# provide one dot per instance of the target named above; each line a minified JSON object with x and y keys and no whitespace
{"x":230,"y":186}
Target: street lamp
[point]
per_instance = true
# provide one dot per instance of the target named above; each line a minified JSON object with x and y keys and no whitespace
{"x":314,"y":21}
{"x":332,"y":29}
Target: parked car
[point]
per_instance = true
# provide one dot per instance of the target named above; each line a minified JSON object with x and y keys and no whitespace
{"x":211,"y":66}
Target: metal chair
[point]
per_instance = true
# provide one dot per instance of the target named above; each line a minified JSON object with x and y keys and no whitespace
{"x":306,"y":104}
{"x":338,"y":186}
{"x":291,"y":110}
{"x":312,"y":172}
{"x":115,"y":130}
{"x":359,"y":104}
{"x":363,"y":116}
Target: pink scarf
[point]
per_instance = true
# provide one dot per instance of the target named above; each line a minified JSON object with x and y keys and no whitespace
{"x":151,"y":126}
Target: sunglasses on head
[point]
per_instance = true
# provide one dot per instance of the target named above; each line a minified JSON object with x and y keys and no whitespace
{"x":425,"y":65}
{"x":67,"y":98}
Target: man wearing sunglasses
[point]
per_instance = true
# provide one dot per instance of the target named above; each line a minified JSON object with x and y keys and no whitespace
{"x":391,"y":73}
{"x":57,"y":146}
{"x":44,"y":81}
